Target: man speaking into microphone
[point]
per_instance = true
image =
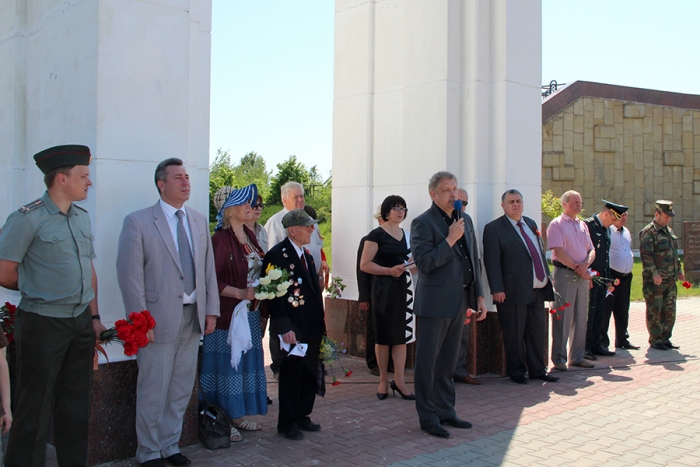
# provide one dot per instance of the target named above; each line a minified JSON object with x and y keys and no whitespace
{"x":444,"y":247}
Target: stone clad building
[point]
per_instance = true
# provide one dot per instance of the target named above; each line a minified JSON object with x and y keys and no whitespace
{"x":628,"y":145}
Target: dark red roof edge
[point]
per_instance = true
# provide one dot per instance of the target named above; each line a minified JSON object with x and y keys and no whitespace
{"x":559,"y":100}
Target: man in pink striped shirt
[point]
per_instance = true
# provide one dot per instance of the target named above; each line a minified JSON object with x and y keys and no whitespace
{"x":572,"y":254}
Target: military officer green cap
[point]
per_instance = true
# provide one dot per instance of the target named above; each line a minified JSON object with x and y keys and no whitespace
{"x":62,"y":156}
{"x":665,"y":206}
{"x":617,"y":209}
{"x":297,"y":217}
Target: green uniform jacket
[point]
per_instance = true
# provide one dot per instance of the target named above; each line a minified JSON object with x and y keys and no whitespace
{"x":658,"y":248}
{"x":54,"y":251}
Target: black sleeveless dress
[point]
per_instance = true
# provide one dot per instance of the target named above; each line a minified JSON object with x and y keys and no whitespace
{"x":391,"y":300}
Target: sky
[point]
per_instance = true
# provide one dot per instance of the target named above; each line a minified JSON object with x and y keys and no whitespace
{"x":272,"y":64}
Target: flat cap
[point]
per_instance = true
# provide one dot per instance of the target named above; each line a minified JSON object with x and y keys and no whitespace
{"x":617,"y":209}
{"x":665,"y":206}
{"x":62,"y":156}
{"x":297,"y":217}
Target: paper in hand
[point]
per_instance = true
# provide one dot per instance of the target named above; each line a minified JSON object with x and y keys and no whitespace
{"x":299,"y":348}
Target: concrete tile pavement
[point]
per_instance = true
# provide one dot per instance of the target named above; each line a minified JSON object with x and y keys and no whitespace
{"x":638,"y":408}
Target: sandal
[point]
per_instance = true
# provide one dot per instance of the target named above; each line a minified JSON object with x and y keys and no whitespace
{"x":247,"y":425}
{"x":235,"y":435}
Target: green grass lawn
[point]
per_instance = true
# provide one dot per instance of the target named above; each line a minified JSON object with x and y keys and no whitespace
{"x":636,"y":291}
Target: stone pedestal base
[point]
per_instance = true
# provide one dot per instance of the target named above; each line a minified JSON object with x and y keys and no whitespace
{"x":345,"y":322}
{"x":113,"y":412}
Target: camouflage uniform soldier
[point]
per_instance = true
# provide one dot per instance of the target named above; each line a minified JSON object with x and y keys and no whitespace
{"x":659,"y":251}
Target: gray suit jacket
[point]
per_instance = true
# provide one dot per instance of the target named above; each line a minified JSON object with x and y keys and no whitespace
{"x":508,"y":262}
{"x":150,"y":275}
{"x":440,"y":288}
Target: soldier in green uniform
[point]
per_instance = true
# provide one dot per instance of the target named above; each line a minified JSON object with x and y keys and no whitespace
{"x":46,"y":253}
{"x":658,"y":248}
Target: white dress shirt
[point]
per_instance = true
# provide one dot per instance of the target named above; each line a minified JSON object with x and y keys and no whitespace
{"x":621,"y":257}
{"x":536,"y":283}
{"x":172,"y":223}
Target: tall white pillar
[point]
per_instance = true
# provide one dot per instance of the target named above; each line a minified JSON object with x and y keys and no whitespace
{"x":429,"y":85}
{"x":129,"y":79}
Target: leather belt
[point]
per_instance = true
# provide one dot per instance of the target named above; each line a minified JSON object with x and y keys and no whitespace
{"x":620,"y":274}
{"x":559,"y":264}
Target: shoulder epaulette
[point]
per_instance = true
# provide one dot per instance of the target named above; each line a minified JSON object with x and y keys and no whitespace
{"x":31,"y":206}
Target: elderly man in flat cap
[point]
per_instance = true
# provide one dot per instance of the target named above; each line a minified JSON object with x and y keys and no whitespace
{"x":658,"y":247}
{"x":600,"y":236}
{"x":46,"y":253}
{"x":298,"y":318}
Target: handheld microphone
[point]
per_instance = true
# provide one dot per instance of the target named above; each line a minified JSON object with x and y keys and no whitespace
{"x":457,"y":209}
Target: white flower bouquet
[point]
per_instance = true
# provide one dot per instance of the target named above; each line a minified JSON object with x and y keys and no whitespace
{"x":273,"y":284}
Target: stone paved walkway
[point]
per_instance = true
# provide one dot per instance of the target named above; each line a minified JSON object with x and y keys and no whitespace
{"x":639,"y":408}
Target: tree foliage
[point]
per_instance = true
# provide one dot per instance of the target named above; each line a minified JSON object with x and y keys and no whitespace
{"x":291,"y":170}
{"x":251,"y":168}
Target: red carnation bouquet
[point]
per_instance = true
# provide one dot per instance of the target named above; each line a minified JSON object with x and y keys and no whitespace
{"x":132,"y":333}
{"x":7,"y":319}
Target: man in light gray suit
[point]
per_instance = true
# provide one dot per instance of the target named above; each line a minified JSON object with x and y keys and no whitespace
{"x":165,"y":264}
{"x":444,"y":247}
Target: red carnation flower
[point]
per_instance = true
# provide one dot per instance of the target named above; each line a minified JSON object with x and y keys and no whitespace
{"x":335,"y":382}
{"x":616,"y":282}
{"x":348,"y":374}
{"x":552,"y":310}
{"x":687,"y":284}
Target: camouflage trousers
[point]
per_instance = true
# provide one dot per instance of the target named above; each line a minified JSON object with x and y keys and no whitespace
{"x":661,"y":310}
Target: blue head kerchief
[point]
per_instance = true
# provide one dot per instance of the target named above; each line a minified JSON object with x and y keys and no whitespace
{"x":247,"y":194}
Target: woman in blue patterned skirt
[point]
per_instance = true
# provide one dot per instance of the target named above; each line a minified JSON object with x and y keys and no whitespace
{"x":232,"y":374}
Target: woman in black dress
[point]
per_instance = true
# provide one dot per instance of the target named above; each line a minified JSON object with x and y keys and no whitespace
{"x":384,"y":255}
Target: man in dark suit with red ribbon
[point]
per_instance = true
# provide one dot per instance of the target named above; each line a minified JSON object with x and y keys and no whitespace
{"x":520,"y":283}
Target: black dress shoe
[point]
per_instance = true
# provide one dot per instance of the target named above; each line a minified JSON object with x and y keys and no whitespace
{"x":659,"y":346}
{"x":628,"y":346}
{"x":294,"y":434}
{"x":436,"y":430}
{"x":670,"y":345}
{"x":589,"y":356}
{"x":178,"y":459}
{"x":456,"y":422}
{"x":547,"y":378}
{"x":604,"y":352}
{"x":519,"y":379}
{"x":308,"y":425}
{"x":153,"y":463}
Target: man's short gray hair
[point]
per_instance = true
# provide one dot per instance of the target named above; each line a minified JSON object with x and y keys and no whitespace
{"x":512,"y":191}
{"x":438,"y":177}
{"x":565,"y":197}
{"x":289,"y":186}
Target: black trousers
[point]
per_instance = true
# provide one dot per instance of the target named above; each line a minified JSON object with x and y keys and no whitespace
{"x":596,"y":309}
{"x":618,"y":305}
{"x":297,"y":387}
{"x":54,"y":364}
{"x":523,"y":326}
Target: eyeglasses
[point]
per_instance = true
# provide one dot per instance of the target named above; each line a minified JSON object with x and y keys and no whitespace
{"x":399,"y":208}
{"x":258,"y":206}
{"x":464,"y":203}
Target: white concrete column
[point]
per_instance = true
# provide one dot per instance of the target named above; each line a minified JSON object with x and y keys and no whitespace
{"x":129,"y":79}
{"x":429,"y":85}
